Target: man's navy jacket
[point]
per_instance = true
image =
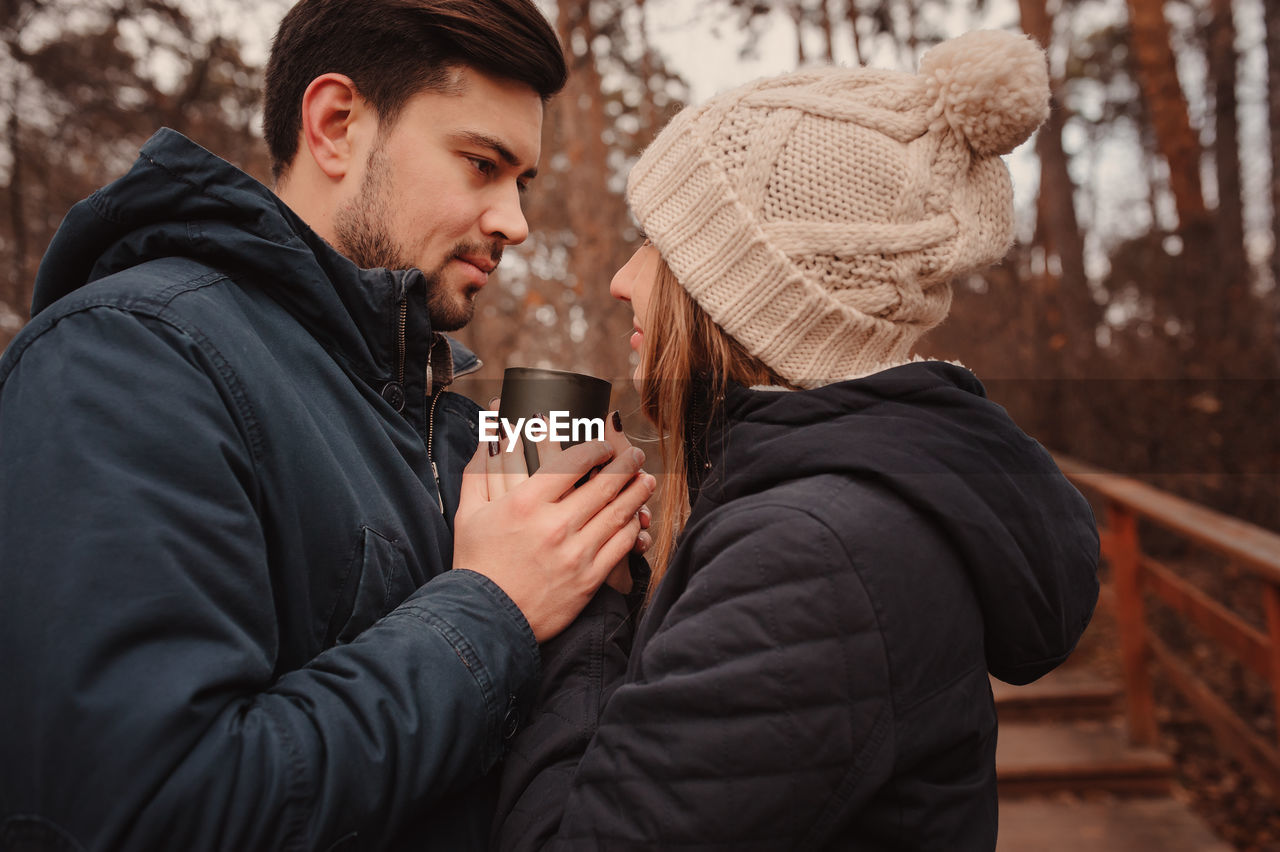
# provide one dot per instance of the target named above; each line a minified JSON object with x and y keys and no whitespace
{"x":225,"y":617}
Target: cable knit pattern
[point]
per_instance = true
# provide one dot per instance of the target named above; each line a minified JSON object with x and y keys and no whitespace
{"x":819,"y":216}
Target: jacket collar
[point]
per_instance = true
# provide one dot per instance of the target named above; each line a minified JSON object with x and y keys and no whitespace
{"x":464,"y":360}
{"x":713,"y":423}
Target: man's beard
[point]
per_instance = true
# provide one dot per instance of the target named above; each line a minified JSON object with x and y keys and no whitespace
{"x":361,"y":234}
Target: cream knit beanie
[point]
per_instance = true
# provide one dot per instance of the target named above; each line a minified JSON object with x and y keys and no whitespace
{"x":818,"y":216}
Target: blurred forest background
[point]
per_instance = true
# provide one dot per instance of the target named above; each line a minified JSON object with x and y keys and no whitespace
{"x":1136,"y":325}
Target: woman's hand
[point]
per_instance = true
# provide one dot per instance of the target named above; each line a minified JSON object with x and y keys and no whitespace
{"x":546,"y":543}
{"x":620,"y":577}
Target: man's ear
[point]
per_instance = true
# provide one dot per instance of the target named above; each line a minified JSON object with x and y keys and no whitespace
{"x":332,"y":117}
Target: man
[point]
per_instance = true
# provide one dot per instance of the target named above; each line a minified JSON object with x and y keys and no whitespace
{"x":230,"y":466}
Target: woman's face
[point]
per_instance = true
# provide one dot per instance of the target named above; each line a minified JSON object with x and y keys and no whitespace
{"x":634,"y":283}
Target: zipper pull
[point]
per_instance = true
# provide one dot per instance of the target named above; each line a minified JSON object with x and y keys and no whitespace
{"x":435,"y":471}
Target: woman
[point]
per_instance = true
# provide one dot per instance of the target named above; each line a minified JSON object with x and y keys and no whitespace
{"x":863,"y":536}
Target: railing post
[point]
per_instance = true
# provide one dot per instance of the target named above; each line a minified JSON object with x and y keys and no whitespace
{"x":1271,"y":600}
{"x":1131,"y":623}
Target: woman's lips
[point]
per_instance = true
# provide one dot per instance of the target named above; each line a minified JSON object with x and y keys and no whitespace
{"x":637,"y":338}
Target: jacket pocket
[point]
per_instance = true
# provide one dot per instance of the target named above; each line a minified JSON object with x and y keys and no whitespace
{"x":376,"y":582}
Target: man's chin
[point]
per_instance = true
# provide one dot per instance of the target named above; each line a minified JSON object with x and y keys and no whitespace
{"x":454,"y":313}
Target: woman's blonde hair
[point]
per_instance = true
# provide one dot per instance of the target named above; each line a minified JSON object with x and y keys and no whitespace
{"x":685,"y":353}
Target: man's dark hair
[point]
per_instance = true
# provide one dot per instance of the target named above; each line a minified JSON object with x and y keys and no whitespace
{"x":394,"y":49}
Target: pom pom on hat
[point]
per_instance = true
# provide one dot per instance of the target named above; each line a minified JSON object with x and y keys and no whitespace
{"x":991,"y":86}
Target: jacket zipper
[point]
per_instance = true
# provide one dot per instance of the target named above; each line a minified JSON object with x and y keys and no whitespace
{"x":431,"y":422}
{"x":401,"y":349}
{"x":400,"y":340}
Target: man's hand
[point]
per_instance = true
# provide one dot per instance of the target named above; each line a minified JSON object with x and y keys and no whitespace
{"x":545,"y":543}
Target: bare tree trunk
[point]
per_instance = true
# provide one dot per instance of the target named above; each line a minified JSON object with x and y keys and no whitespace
{"x":1150,"y":163}
{"x":824,"y":18}
{"x":1229,"y":219}
{"x":591,"y":219}
{"x":913,"y":35}
{"x":579,"y":100}
{"x":648,"y":114}
{"x":18,"y":293}
{"x":853,"y":25}
{"x":1195,"y":293}
{"x":1273,"y":99}
{"x":1067,"y":316}
{"x":1056,"y":201}
{"x":1158,"y":78}
{"x":796,"y":8}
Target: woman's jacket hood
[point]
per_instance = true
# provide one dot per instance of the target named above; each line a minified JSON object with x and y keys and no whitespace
{"x":179,"y":200}
{"x":926,"y":433}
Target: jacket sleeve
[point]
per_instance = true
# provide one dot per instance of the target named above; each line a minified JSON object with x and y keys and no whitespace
{"x":755,"y":716}
{"x":144,"y":705}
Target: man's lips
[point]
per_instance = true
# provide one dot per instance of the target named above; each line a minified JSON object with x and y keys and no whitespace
{"x":484,"y":264}
{"x":478,"y":268}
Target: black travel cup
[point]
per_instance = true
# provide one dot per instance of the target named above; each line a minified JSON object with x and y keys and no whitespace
{"x":574,"y":404}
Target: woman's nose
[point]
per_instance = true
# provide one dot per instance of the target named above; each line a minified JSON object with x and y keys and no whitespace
{"x":620,"y":286}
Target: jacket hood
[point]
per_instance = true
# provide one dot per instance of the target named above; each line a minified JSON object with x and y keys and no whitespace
{"x":927,"y":433}
{"x":179,"y":200}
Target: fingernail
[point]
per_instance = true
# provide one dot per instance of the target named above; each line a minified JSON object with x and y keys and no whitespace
{"x":638,"y":455}
{"x":651,"y":481}
{"x":493,"y":402}
{"x":644,"y":512}
{"x":617,"y":420}
{"x":493,"y":448}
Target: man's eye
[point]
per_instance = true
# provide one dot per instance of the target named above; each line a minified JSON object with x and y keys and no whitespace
{"x":522,"y":186}
{"x":484,"y":167}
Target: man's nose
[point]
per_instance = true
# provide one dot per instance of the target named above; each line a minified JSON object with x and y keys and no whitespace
{"x":505,"y":220}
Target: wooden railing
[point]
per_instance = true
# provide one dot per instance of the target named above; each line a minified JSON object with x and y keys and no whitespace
{"x":1135,"y":574}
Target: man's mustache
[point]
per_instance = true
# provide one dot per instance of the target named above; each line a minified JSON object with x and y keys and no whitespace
{"x":492,"y":250}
